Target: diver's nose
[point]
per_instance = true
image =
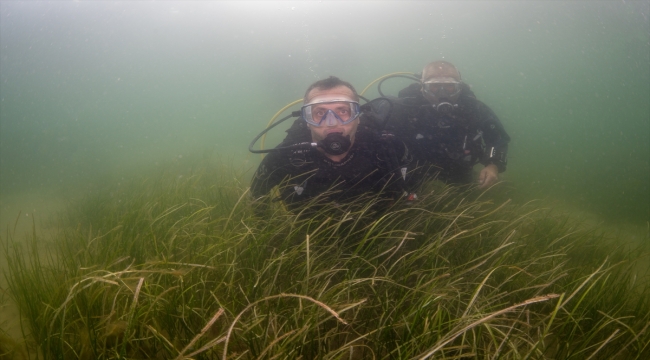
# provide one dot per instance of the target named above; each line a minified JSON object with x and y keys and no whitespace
{"x":330,"y":119}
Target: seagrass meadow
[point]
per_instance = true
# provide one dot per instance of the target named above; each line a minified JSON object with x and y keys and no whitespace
{"x":178,"y":265}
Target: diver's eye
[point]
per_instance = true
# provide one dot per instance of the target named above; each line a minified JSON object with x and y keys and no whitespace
{"x":434,"y":88}
{"x":319,"y":112}
{"x":343,"y":113}
{"x":450,"y":88}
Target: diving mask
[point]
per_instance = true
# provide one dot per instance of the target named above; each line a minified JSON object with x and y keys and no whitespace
{"x":330,"y":111}
{"x":442,"y":87}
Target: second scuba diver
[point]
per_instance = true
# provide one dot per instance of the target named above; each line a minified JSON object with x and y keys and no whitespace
{"x":448,"y":129}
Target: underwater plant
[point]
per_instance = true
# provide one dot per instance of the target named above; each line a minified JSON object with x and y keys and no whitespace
{"x":179,"y":265}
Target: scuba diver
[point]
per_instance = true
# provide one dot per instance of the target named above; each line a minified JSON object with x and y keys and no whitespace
{"x":448,"y":129}
{"x":332,"y":152}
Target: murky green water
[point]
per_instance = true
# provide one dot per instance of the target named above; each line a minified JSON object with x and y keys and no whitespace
{"x":94,"y":91}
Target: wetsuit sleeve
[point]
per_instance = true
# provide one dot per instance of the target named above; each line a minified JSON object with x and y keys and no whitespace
{"x":495,"y":137}
{"x":274,"y":167}
{"x":269,"y":174}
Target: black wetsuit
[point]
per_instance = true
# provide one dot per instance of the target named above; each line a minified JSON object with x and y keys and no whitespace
{"x":447,"y":146}
{"x":373,"y":165}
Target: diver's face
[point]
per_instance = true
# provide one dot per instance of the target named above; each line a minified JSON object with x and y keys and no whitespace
{"x":441,"y":84}
{"x":439,"y":90}
{"x":319,"y":133}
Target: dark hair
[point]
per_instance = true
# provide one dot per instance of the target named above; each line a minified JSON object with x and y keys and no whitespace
{"x":330,"y":83}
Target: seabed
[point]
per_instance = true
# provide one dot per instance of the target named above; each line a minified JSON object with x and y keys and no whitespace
{"x":180,"y":267}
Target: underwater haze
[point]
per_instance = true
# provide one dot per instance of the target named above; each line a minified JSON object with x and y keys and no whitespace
{"x":94,"y":92}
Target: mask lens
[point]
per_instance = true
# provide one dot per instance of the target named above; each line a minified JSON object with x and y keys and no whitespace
{"x":330,"y":113}
{"x":450,"y":88}
{"x":443,"y":88}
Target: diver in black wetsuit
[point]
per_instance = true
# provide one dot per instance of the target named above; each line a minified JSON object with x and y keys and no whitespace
{"x":448,"y":129}
{"x":348,"y":158}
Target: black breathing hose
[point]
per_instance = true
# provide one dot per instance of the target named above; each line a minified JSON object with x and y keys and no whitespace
{"x":394,"y":76}
{"x":305,"y":145}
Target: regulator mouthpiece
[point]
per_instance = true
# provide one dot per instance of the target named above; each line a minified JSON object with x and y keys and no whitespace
{"x":445,"y":107}
{"x":336,"y":144}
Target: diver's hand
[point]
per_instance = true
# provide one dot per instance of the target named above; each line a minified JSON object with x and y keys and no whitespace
{"x":488,"y":176}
